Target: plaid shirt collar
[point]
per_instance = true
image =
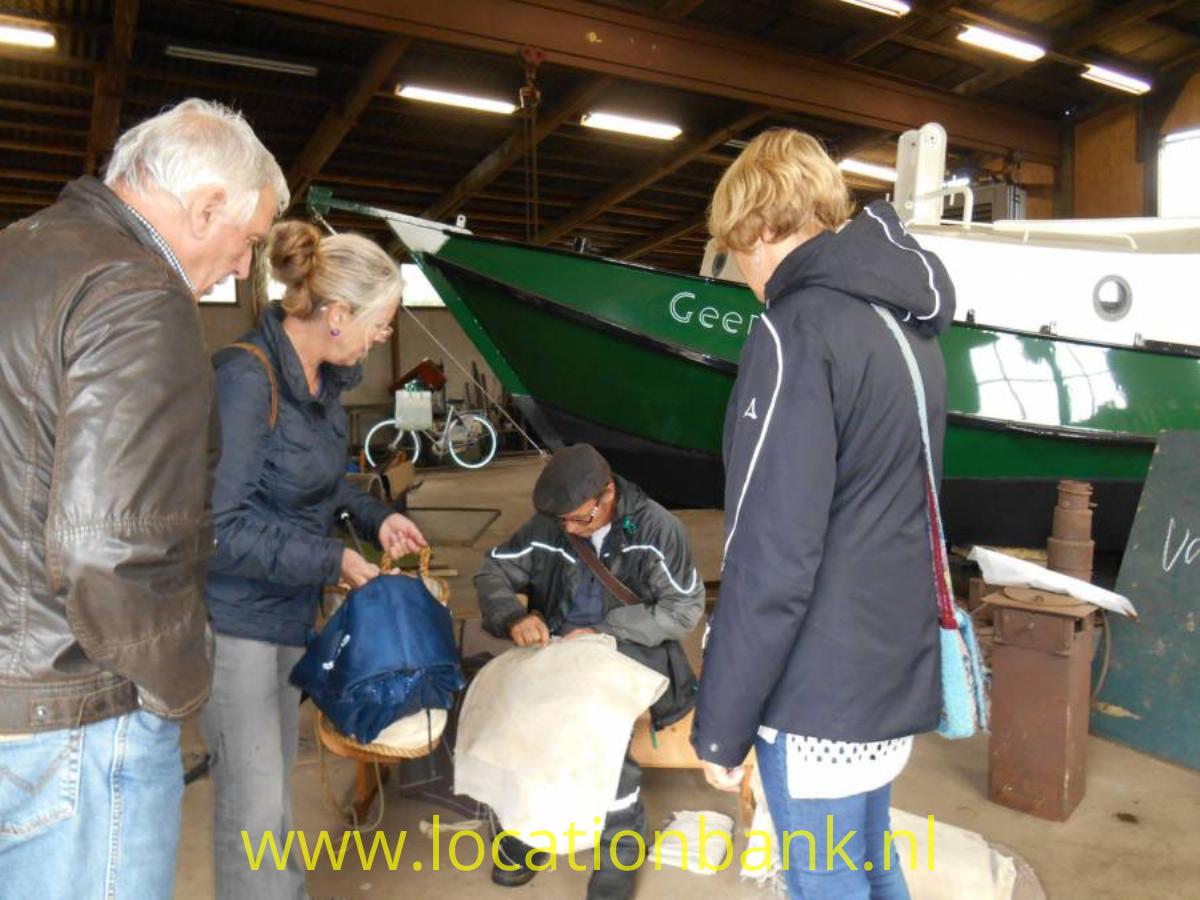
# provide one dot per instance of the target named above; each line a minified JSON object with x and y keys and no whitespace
{"x":163,"y":247}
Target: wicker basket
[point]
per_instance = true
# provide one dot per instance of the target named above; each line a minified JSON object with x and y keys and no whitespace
{"x":439,"y":587}
{"x":340,"y":745}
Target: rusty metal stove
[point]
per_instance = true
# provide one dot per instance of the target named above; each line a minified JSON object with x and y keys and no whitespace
{"x":1042,"y":677}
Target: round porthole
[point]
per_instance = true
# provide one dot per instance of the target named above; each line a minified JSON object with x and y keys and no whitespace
{"x":719,"y":263}
{"x":1112,"y":298}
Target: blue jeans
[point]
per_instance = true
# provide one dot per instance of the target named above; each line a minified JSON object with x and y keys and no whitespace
{"x":93,"y":811}
{"x":849,"y":870}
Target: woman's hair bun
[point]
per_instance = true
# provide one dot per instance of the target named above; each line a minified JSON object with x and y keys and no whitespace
{"x":292,"y":249}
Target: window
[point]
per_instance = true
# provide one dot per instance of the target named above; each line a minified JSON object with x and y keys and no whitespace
{"x":418,"y":292}
{"x":224,"y":293}
{"x":1179,"y":174}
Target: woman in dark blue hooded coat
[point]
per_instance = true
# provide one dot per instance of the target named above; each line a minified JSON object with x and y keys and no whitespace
{"x":823,"y":652}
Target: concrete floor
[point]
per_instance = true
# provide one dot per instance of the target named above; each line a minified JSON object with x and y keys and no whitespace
{"x":1134,"y":835}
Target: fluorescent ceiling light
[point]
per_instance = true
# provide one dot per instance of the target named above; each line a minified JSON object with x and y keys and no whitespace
{"x":957,"y":181}
{"x":237,"y":59}
{"x":662,"y":131}
{"x":1118,"y":80}
{"x":887,"y":7}
{"x":26,"y":37}
{"x":1189,"y":135}
{"x":1001,"y":43}
{"x":448,"y":98}
{"x":868,"y":170}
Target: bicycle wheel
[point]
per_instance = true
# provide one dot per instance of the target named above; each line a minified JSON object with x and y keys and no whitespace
{"x":471,"y":440}
{"x":386,"y":439}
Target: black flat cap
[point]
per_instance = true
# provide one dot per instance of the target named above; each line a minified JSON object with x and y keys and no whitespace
{"x":573,"y":476}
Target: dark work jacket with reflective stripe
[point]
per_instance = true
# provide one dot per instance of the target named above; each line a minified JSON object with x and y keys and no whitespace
{"x":647,"y":549}
{"x":827,"y":621}
{"x":278,"y":491}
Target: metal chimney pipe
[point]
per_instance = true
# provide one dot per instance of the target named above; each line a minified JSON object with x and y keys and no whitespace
{"x":1070,"y":548}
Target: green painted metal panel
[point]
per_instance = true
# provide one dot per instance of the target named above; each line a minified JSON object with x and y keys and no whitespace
{"x":613,"y":381}
{"x":471,"y":326}
{"x":998,"y":378}
{"x":1149,"y":697}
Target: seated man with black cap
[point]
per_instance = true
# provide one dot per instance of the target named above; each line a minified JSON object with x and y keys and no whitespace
{"x":598,"y":556}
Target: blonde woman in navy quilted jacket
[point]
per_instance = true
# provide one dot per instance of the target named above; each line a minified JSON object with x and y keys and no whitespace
{"x":277,"y":492}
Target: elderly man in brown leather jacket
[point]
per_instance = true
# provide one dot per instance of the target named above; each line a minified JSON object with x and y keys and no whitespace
{"x":104,"y":481}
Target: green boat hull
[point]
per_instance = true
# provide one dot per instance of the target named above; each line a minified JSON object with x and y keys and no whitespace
{"x":641,"y":362}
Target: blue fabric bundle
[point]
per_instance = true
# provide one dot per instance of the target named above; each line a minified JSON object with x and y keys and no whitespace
{"x":386,"y":653}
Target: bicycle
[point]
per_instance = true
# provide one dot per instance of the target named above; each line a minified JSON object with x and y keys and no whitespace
{"x":468,"y":437}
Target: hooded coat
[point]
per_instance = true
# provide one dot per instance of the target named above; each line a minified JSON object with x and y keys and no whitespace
{"x":827,"y":620}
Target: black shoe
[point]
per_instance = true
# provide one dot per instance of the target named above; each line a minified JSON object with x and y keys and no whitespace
{"x":611,"y":884}
{"x":514,"y":853}
{"x":608,"y":882}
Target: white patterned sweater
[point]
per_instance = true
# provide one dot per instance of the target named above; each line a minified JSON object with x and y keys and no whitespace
{"x":820,"y":769}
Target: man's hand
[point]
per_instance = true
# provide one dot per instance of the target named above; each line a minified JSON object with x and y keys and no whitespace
{"x":398,"y":536}
{"x":579,"y":632}
{"x":721,"y":778}
{"x":529,"y":631}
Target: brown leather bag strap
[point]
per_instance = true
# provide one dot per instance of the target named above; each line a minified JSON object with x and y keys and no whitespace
{"x":614,"y":585}
{"x":270,"y":370}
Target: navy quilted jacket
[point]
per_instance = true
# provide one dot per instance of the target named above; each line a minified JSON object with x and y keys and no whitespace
{"x":278,"y":491}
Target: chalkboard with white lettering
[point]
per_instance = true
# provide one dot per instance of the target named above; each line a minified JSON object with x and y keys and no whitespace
{"x":1150,"y":698}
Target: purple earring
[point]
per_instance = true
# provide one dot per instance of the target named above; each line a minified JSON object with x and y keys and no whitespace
{"x":334,"y":332}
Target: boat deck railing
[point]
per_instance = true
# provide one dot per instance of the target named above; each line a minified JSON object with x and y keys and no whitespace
{"x":1135,"y":235}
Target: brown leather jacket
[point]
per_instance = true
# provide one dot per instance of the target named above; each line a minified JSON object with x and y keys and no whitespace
{"x":105,"y":471}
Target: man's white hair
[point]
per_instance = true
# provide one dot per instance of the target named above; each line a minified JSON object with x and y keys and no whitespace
{"x":194,"y":144}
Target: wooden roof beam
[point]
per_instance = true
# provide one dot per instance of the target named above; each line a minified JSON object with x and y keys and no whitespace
{"x":38,"y":128}
{"x":46,"y":84}
{"x":231,"y":87}
{"x":109,"y":85}
{"x":36,"y":175}
{"x":887,"y":30}
{"x":49,"y":109}
{"x":48,"y":149}
{"x":513,"y":148}
{"x":1132,"y":12}
{"x":646,"y":176}
{"x":679,"y":9}
{"x":1064,"y":46}
{"x":647,"y":48}
{"x":519,"y":143}
{"x":340,"y":119}
{"x":30,"y":201}
{"x":859,"y":140}
{"x":666,"y":236}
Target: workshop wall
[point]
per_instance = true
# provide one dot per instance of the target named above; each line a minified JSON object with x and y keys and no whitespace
{"x":1109,"y":181}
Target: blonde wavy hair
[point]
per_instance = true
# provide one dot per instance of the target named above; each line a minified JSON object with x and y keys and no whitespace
{"x":318,"y":270}
{"x":783,"y":182}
